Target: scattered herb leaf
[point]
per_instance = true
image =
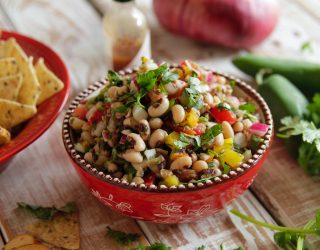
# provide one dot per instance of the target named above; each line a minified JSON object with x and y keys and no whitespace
{"x":47,"y":213}
{"x":154,"y":246}
{"x":114,"y":78}
{"x":122,"y":237}
{"x":306,"y":46}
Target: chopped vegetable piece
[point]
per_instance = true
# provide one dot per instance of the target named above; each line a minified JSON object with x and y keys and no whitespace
{"x":232,"y":158}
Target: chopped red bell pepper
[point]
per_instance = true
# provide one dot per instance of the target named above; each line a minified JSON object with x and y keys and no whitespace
{"x":96,"y":117}
{"x":223,"y":114}
{"x":150,"y":179}
{"x":80,"y":112}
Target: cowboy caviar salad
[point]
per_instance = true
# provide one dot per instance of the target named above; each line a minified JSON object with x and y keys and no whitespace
{"x":167,"y":126}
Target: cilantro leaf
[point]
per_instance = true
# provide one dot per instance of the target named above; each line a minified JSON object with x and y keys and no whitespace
{"x":182,"y":142}
{"x":121,"y":109}
{"x":192,"y":95}
{"x":201,"y":248}
{"x":306,"y":46}
{"x":148,"y":80}
{"x":169,"y":76}
{"x":154,"y":246}
{"x":210,"y":133}
{"x":47,"y":213}
{"x":122,"y":237}
{"x":114,"y":78}
{"x":255,"y":142}
{"x":248,"y":107}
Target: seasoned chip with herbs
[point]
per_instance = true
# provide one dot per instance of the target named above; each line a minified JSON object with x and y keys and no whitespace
{"x":10,"y":86}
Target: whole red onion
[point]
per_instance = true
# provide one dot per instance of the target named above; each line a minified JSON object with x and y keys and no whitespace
{"x":230,"y":23}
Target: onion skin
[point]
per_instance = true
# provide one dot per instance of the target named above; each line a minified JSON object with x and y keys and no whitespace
{"x":230,"y":23}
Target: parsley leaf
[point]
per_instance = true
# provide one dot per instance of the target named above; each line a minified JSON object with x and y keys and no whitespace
{"x":210,"y":133}
{"x":47,"y":213}
{"x":248,"y":107}
{"x":114,"y":78}
{"x":122,"y":237}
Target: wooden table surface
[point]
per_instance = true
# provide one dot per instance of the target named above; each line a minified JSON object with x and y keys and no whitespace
{"x":42,"y":174}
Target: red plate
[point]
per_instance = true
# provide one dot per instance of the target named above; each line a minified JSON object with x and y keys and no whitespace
{"x":48,"y":110}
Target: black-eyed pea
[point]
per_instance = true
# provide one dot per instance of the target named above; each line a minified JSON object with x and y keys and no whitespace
{"x":208,"y":98}
{"x":159,"y":108}
{"x":137,"y":180}
{"x":218,"y":140}
{"x":181,"y":163}
{"x":139,"y":113}
{"x":246,"y":123}
{"x":88,"y":157}
{"x":204,"y":157}
{"x":178,"y":113}
{"x":157,"y":138}
{"x":247,"y":155}
{"x":126,"y":131}
{"x":76,"y":123}
{"x":240,"y":139}
{"x":138,"y":143}
{"x":227,"y":130}
{"x":101,"y":160}
{"x":155,"y":123}
{"x":216,"y":100}
{"x":130,"y":122}
{"x":200,"y":165}
{"x":86,"y":136}
{"x":144,"y":129}
{"x":215,"y":163}
{"x":165,"y":173}
{"x":238,"y":126}
{"x":194,"y":157}
{"x":132,"y":156}
{"x":186,"y":175}
{"x":125,"y":178}
{"x":111,"y":166}
{"x":173,"y":87}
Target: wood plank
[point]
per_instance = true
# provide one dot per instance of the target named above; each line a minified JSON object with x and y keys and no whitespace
{"x":42,"y":174}
{"x":79,"y":41}
{"x":217,"y":229}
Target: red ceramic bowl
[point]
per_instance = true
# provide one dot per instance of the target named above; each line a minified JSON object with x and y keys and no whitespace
{"x":176,"y":204}
{"x":48,"y":110}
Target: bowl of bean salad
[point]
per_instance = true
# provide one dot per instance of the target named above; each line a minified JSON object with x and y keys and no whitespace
{"x":167,"y":143}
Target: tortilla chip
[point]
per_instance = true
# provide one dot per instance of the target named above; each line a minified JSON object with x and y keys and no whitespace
{"x":10,"y":86}
{"x":5,"y":136}
{"x":49,"y":82}
{"x":62,"y":231}
{"x":13,"y":113}
{"x":8,"y":66}
{"x":30,"y":88}
{"x":4,"y":49}
{"x":14,"y":50}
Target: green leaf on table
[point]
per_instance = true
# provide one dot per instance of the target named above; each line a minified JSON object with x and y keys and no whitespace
{"x":306,"y":46}
{"x":122,"y":237}
{"x":201,"y":248}
{"x":154,"y":246}
{"x":46,"y":213}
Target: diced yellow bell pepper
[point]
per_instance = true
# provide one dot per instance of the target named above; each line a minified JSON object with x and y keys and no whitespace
{"x":171,"y":181}
{"x":171,"y":138}
{"x":227,"y":144}
{"x":232,"y":158}
{"x":192,"y":117}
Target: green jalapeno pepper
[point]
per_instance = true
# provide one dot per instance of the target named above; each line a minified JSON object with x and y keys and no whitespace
{"x":304,"y":75}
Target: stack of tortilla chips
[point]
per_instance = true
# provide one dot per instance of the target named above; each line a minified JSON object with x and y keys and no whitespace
{"x":23,"y":86}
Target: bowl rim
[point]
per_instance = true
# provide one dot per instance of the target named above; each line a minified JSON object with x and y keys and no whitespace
{"x":7,"y":155}
{"x":232,"y":175}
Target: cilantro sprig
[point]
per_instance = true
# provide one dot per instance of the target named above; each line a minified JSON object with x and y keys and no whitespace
{"x":122,"y":237}
{"x":186,"y":140}
{"x":287,"y":238}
